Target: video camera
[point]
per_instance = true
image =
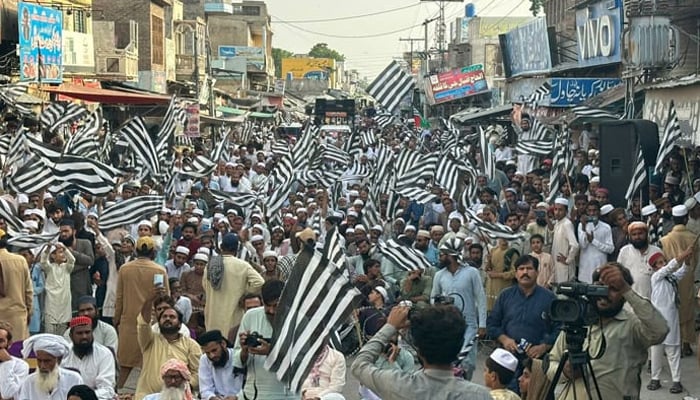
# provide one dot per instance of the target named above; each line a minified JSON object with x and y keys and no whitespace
{"x":575,"y":309}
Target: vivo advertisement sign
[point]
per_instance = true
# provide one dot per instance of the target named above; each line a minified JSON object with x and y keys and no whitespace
{"x":599,"y":33}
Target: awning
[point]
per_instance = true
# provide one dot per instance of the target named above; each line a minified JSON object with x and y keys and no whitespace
{"x":470,"y":116}
{"x":230,"y":110}
{"x":260,"y":115}
{"x":106,"y":96}
{"x":207,"y":120}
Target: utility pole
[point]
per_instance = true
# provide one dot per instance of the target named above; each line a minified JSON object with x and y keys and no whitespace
{"x":410,"y":62}
{"x":197,"y":88}
{"x":441,"y":28}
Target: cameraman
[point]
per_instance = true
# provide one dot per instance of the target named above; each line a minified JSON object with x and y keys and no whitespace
{"x":437,"y":333}
{"x":623,"y":338}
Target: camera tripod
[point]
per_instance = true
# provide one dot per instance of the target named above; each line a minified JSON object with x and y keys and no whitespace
{"x":580,"y":362}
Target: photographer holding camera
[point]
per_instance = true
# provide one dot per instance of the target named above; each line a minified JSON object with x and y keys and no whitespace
{"x":437,"y":334}
{"x":618,"y":344}
{"x":253,"y":345}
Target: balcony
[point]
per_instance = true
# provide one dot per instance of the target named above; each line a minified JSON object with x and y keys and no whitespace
{"x":185,"y":66}
{"x":117,"y":65}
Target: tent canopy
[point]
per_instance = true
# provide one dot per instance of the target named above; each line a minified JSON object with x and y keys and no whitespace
{"x":107,"y":96}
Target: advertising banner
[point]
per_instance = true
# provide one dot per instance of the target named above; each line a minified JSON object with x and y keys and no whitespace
{"x":40,"y":43}
{"x":599,"y":32}
{"x":192,"y":129}
{"x":457,"y":84}
{"x":526,"y":49}
{"x":568,"y":92}
{"x":253,"y":55}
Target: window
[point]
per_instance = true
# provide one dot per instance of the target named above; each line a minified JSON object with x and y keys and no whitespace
{"x":79,"y":21}
{"x":157,"y":41}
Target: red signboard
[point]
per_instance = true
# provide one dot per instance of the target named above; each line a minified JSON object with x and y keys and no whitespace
{"x":457,"y":84}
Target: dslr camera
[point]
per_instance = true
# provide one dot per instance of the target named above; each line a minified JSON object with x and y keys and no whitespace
{"x":253,"y":339}
{"x":573,"y":306}
{"x":443,"y":300}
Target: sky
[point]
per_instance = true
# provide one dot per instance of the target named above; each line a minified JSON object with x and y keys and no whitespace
{"x":369,"y":55}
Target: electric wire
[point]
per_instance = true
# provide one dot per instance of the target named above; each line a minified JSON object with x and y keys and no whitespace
{"x":309,"y":21}
{"x":347,"y":36}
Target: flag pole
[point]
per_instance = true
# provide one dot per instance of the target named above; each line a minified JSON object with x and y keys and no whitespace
{"x":687,"y":171}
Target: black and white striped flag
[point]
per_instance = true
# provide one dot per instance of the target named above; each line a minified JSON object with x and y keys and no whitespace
{"x":24,"y":240}
{"x":639,"y":178}
{"x":390,"y":86}
{"x":91,"y":176}
{"x":541,"y":147}
{"x":136,"y":135}
{"x":488,"y":160}
{"x":404,"y":257}
{"x":9,"y":214}
{"x":57,"y":114}
{"x":491,"y":229}
{"x":417,"y":194}
{"x":672,"y":132}
{"x":540,"y":94}
{"x":583,"y":111}
{"x":316,"y":300}
{"x":130,"y":211}
{"x":384,"y":119}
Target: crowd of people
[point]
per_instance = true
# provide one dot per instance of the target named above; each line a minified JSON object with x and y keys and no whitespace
{"x":188,"y":297}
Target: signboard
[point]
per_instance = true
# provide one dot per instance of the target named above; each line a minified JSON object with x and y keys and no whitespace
{"x":491,"y":27}
{"x":308,"y":68}
{"x":253,"y":55}
{"x":40,"y":43}
{"x":568,"y":92}
{"x":279,"y":85}
{"x":457,"y":84}
{"x":599,"y":32}
{"x":192,"y":129}
{"x":526,"y":49}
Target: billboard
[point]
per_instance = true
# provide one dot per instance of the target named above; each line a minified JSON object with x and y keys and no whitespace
{"x":40,"y":43}
{"x":308,"y":68}
{"x":568,"y":92}
{"x":599,"y":32}
{"x":526,"y":49}
{"x":253,"y":55}
{"x":457,"y":84}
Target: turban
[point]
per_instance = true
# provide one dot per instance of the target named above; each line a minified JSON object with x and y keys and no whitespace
{"x":636,"y":225}
{"x":52,"y":344}
{"x":179,"y":366}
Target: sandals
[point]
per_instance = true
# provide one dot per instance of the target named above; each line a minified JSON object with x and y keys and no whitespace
{"x":654,"y":385}
{"x":676,"y":388}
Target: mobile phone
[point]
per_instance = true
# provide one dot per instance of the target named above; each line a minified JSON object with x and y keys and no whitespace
{"x":158,"y":280}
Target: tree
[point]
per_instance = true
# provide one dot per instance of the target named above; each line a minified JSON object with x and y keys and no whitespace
{"x":277,"y":56}
{"x":536,"y":6}
{"x":321,"y":50}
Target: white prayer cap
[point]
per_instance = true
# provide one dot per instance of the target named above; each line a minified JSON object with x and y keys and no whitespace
{"x":595,"y":171}
{"x":193,"y":220}
{"x":166,"y":210}
{"x":690,"y":203}
{"x":230,"y":164}
{"x":268,"y":254}
{"x":679,"y":211}
{"x":358,"y":202}
{"x":182,"y":250}
{"x":232,"y":211}
{"x":541,"y":204}
{"x":696,"y":196}
{"x":192,"y":204}
{"x":350,"y":230}
{"x":422,"y":233}
{"x":289,"y":216}
{"x":145,"y":222}
{"x":35,"y":211}
{"x":93,"y":215}
{"x":505,"y":359}
{"x":383,"y":292}
{"x":31,"y":224}
{"x":648,"y":210}
{"x":55,"y":345}
{"x":606,"y":209}
{"x":409,"y":228}
{"x":595,"y":179}
{"x":354,"y":193}
{"x":298,"y":203}
{"x":22,"y":198}
{"x":219,"y":216}
{"x":562,"y":201}
{"x":377,"y":228}
{"x":204,"y":250}
{"x":198,"y":212}
{"x":201,"y":257}
{"x":455,"y":215}
{"x":360,"y":227}
{"x":352,"y":213}
{"x":48,"y":196}
{"x":256,"y":215}
{"x":162,"y":227}
{"x":257,"y":238}
{"x":302,"y":210}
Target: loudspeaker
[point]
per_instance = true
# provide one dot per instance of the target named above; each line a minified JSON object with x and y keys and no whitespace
{"x":618,"y":141}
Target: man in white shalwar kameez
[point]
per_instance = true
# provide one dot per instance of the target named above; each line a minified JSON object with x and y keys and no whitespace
{"x":564,"y":244}
{"x":13,"y":370}
{"x":94,"y":361}
{"x":595,"y":239}
{"x":49,"y":381}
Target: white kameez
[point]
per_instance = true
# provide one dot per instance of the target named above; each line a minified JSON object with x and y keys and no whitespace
{"x":66,"y":380}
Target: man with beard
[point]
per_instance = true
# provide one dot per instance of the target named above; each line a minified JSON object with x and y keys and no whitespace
{"x":519,"y":314}
{"x":365,"y":252}
{"x":564,"y":244}
{"x":158,"y":347}
{"x":260,"y":382}
{"x":674,"y":243}
{"x":134,"y":287}
{"x":94,"y":361}
{"x":81,"y":249}
{"x":176,"y":378}
{"x":539,"y":225}
{"x":463,"y":284}
{"x":216,"y":369}
{"x":13,"y":371}
{"x":628,"y":334}
{"x":635,"y":257}
{"x":55,"y":213}
{"x":189,"y":240}
{"x":526,"y":162}
{"x":50,"y":381}
{"x":102,"y":332}
{"x":595,"y":239}
{"x":422,"y":244}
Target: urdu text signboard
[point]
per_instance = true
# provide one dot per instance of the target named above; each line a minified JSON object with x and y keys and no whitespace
{"x":568,"y":92}
{"x":457,"y":84}
{"x":40,"y":43}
